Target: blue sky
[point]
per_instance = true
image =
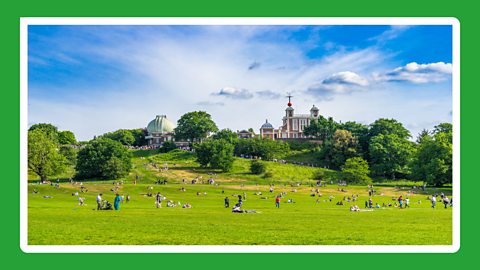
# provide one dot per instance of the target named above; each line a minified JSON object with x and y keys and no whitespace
{"x":95,"y":79}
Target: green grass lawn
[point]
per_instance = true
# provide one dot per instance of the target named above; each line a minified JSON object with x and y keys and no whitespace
{"x":61,"y":221}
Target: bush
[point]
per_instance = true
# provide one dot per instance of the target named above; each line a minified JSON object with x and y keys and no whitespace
{"x":268,"y":175}
{"x":257,"y":167}
{"x":167,"y":147}
{"x":356,"y":171}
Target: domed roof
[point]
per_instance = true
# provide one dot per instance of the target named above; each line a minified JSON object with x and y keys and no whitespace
{"x":314,"y":108}
{"x":160,"y":125}
{"x":289,"y":109}
{"x":267,"y":125}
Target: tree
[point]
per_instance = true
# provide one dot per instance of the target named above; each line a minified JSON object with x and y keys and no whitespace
{"x":390,"y":155}
{"x":227,"y":135}
{"x":343,"y":146}
{"x":123,"y":136}
{"x":139,"y":135}
{"x":356,"y":171}
{"x":44,"y":158}
{"x":103,"y":158}
{"x":265,"y":148}
{"x":321,"y":128}
{"x":388,"y":126}
{"x":66,"y":137}
{"x":216,"y":154}
{"x":195,"y":126}
{"x":69,"y":153}
{"x":425,"y":133}
{"x":359,"y":131}
{"x":443,"y":128}
{"x":433,"y":159}
{"x":257,"y":167}
{"x":50,"y":130}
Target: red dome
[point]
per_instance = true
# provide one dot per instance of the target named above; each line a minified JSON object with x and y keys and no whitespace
{"x":289,"y":104}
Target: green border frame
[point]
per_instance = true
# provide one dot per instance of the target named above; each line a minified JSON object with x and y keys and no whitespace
{"x":10,"y":16}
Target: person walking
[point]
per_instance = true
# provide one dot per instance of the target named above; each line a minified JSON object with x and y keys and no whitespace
{"x":99,"y":201}
{"x":240,"y":200}
{"x":116,"y":202}
{"x":158,"y":200}
{"x":277,"y":202}
{"x":445,"y":201}
{"x":400,"y":201}
{"x":434,"y":201}
{"x":227,"y":202}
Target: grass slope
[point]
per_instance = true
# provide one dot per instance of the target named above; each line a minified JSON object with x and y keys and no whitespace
{"x":61,"y":221}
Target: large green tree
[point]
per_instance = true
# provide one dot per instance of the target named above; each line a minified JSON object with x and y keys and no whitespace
{"x":388,"y":126}
{"x":227,"y":135}
{"x":139,"y":135}
{"x":123,"y":136}
{"x":321,"y":128}
{"x":356,"y":171}
{"x":343,"y":146}
{"x":216,"y":154}
{"x":390,"y":155}
{"x":44,"y":158}
{"x":66,"y":137}
{"x":103,"y":158}
{"x":49,"y":129}
{"x":267,"y":149}
{"x":195,"y":126}
{"x":361,"y":132}
{"x":433,"y":159}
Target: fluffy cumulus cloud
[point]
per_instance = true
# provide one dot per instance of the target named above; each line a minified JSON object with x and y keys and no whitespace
{"x":338,"y":83}
{"x":234,"y":93}
{"x":418,"y":73}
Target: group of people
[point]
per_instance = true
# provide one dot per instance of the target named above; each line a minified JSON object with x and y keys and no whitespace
{"x":106,"y":205}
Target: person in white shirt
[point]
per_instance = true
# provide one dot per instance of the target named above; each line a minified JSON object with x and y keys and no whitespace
{"x":99,"y":201}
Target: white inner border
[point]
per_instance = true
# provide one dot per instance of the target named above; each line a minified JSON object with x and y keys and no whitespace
{"x":25,"y":22}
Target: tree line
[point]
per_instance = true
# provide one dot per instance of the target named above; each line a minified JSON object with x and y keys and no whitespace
{"x":379,"y":150}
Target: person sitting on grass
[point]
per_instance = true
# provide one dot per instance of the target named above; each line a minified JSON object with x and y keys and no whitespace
{"x":354,"y":208}
{"x":186,"y":205}
{"x":81,"y":201}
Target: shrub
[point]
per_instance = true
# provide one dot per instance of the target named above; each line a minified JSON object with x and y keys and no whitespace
{"x":257,"y":167}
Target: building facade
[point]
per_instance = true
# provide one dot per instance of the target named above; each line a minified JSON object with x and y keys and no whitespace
{"x":159,"y":130}
{"x":292,"y":124}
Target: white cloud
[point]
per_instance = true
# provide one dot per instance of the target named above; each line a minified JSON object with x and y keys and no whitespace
{"x":418,"y":73}
{"x":392,"y":33}
{"x":338,"y":83}
{"x":173,"y":73}
{"x":234,"y":93}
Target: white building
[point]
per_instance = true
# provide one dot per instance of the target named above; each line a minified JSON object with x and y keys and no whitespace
{"x":292,"y":124}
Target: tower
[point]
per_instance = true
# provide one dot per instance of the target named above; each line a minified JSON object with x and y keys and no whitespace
{"x":314,"y":112}
{"x":289,"y":111}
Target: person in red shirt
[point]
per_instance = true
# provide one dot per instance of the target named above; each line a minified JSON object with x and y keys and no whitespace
{"x":277,"y":202}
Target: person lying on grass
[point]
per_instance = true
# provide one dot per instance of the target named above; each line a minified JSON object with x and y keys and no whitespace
{"x":236,"y":209}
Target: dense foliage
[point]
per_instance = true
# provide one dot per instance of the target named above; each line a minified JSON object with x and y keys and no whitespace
{"x":44,"y":158}
{"x":264,"y":148}
{"x":355,"y":171}
{"x":215,"y":153}
{"x":103,"y":158}
{"x":195,"y":126}
{"x":433,"y":161}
